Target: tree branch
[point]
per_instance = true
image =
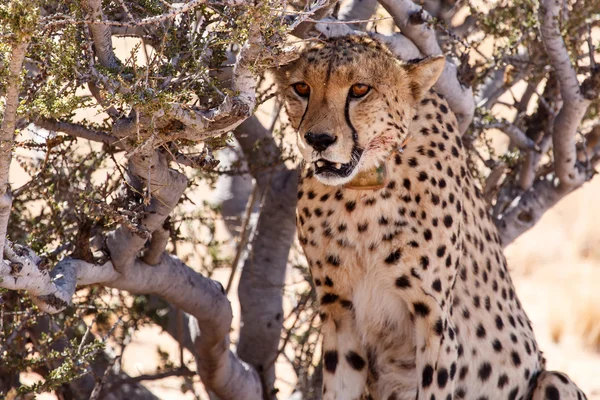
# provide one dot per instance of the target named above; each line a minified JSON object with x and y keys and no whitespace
{"x":399,"y":44}
{"x":101,"y":35}
{"x":220,"y":370}
{"x":413,"y":22}
{"x":574,"y":104}
{"x":79,"y":131}
{"x":7,"y":131}
{"x":517,"y":136}
{"x":165,"y":187}
{"x":357,"y":10}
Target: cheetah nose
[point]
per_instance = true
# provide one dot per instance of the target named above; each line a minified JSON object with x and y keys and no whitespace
{"x":320,"y":141}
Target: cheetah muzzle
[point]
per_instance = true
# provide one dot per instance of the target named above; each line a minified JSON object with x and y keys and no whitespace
{"x":416,"y":299}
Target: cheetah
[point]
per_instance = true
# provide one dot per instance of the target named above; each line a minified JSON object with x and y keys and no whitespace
{"x":416,"y":300}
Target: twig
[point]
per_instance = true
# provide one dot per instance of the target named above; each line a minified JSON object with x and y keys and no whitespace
{"x":244,"y":234}
{"x":182,"y":371}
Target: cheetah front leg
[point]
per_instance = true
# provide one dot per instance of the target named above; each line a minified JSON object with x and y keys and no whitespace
{"x":344,"y":360}
{"x":437,"y":350}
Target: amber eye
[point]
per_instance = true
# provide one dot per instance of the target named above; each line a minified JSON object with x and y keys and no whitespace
{"x":302,"y":89}
{"x":359,"y":90}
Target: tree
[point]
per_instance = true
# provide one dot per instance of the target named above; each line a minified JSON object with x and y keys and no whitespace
{"x":109,"y":201}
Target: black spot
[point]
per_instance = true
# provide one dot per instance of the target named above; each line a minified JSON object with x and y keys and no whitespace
{"x":448,"y":221}
{"x":513,"y":394}
{"x":442,"y":377}
{"x":515,"y":358}
{"x":324,"y":197}
{"x":485,"y":370}
{"x":355,"y":361}
{"x":328,"y":281}
{"x":350,"y":205}
{"x":437,"y":285}
{"x":403,"y":282}
{"x":393,"y":257}
{"x":560,"y":376}
{"x":499,"y":323}
{"x":311,"y":195}
{"x":552,"y":393}
{"x":424,"y":262}
{"x":330,"y":359}
{"x":441,"y":251}
{"x":427,"y":376}
{"x":406,"y":183}
{"x":339,"y":195}
{"x":329,"y":298}
{"x":333,"y":260}
{"x":427,"y":234}
{"x":438,"y":327}
{"x":481,"y":331}
{"x":421,"y":309}
{"x":422,"y":176}
{"x":347,"y":304}
{"x":497,"y":345}
{"x":463,"y":372}
{"x":502,"y":381}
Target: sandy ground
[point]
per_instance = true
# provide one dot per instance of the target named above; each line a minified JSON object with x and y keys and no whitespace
{"x":555,"y":266}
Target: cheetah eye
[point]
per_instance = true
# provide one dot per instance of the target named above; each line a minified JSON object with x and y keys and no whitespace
{"x":302,"y":89}
{"x":359,"y":90}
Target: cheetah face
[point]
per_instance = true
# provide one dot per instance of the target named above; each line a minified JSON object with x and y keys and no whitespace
{"x":351,"y":102}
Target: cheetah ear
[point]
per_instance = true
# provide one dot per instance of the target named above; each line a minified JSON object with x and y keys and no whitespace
{"x":424,"y":74}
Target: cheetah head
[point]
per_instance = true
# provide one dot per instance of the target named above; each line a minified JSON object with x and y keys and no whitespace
{"x":351,"y":102}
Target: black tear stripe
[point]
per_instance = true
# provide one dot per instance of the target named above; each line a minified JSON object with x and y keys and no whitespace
{"x":356,"y":149}
{"x":347,"y":115}
{"x":304,"y":114}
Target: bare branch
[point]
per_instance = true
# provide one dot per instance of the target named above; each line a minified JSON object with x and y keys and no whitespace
{"x":413,"y":21}
{"x":574,"y":104}
{"x":77,"y":130}
{"x":156,"y":247}
{"x":101,"y":35}
{"x":166,"y":187}
{"x":517,"y":136}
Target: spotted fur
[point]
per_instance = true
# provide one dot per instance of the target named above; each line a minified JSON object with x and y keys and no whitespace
{"x":415,"y":294}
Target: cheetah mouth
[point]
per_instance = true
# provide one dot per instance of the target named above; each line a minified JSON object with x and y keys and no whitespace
{"x":325,"y":168}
